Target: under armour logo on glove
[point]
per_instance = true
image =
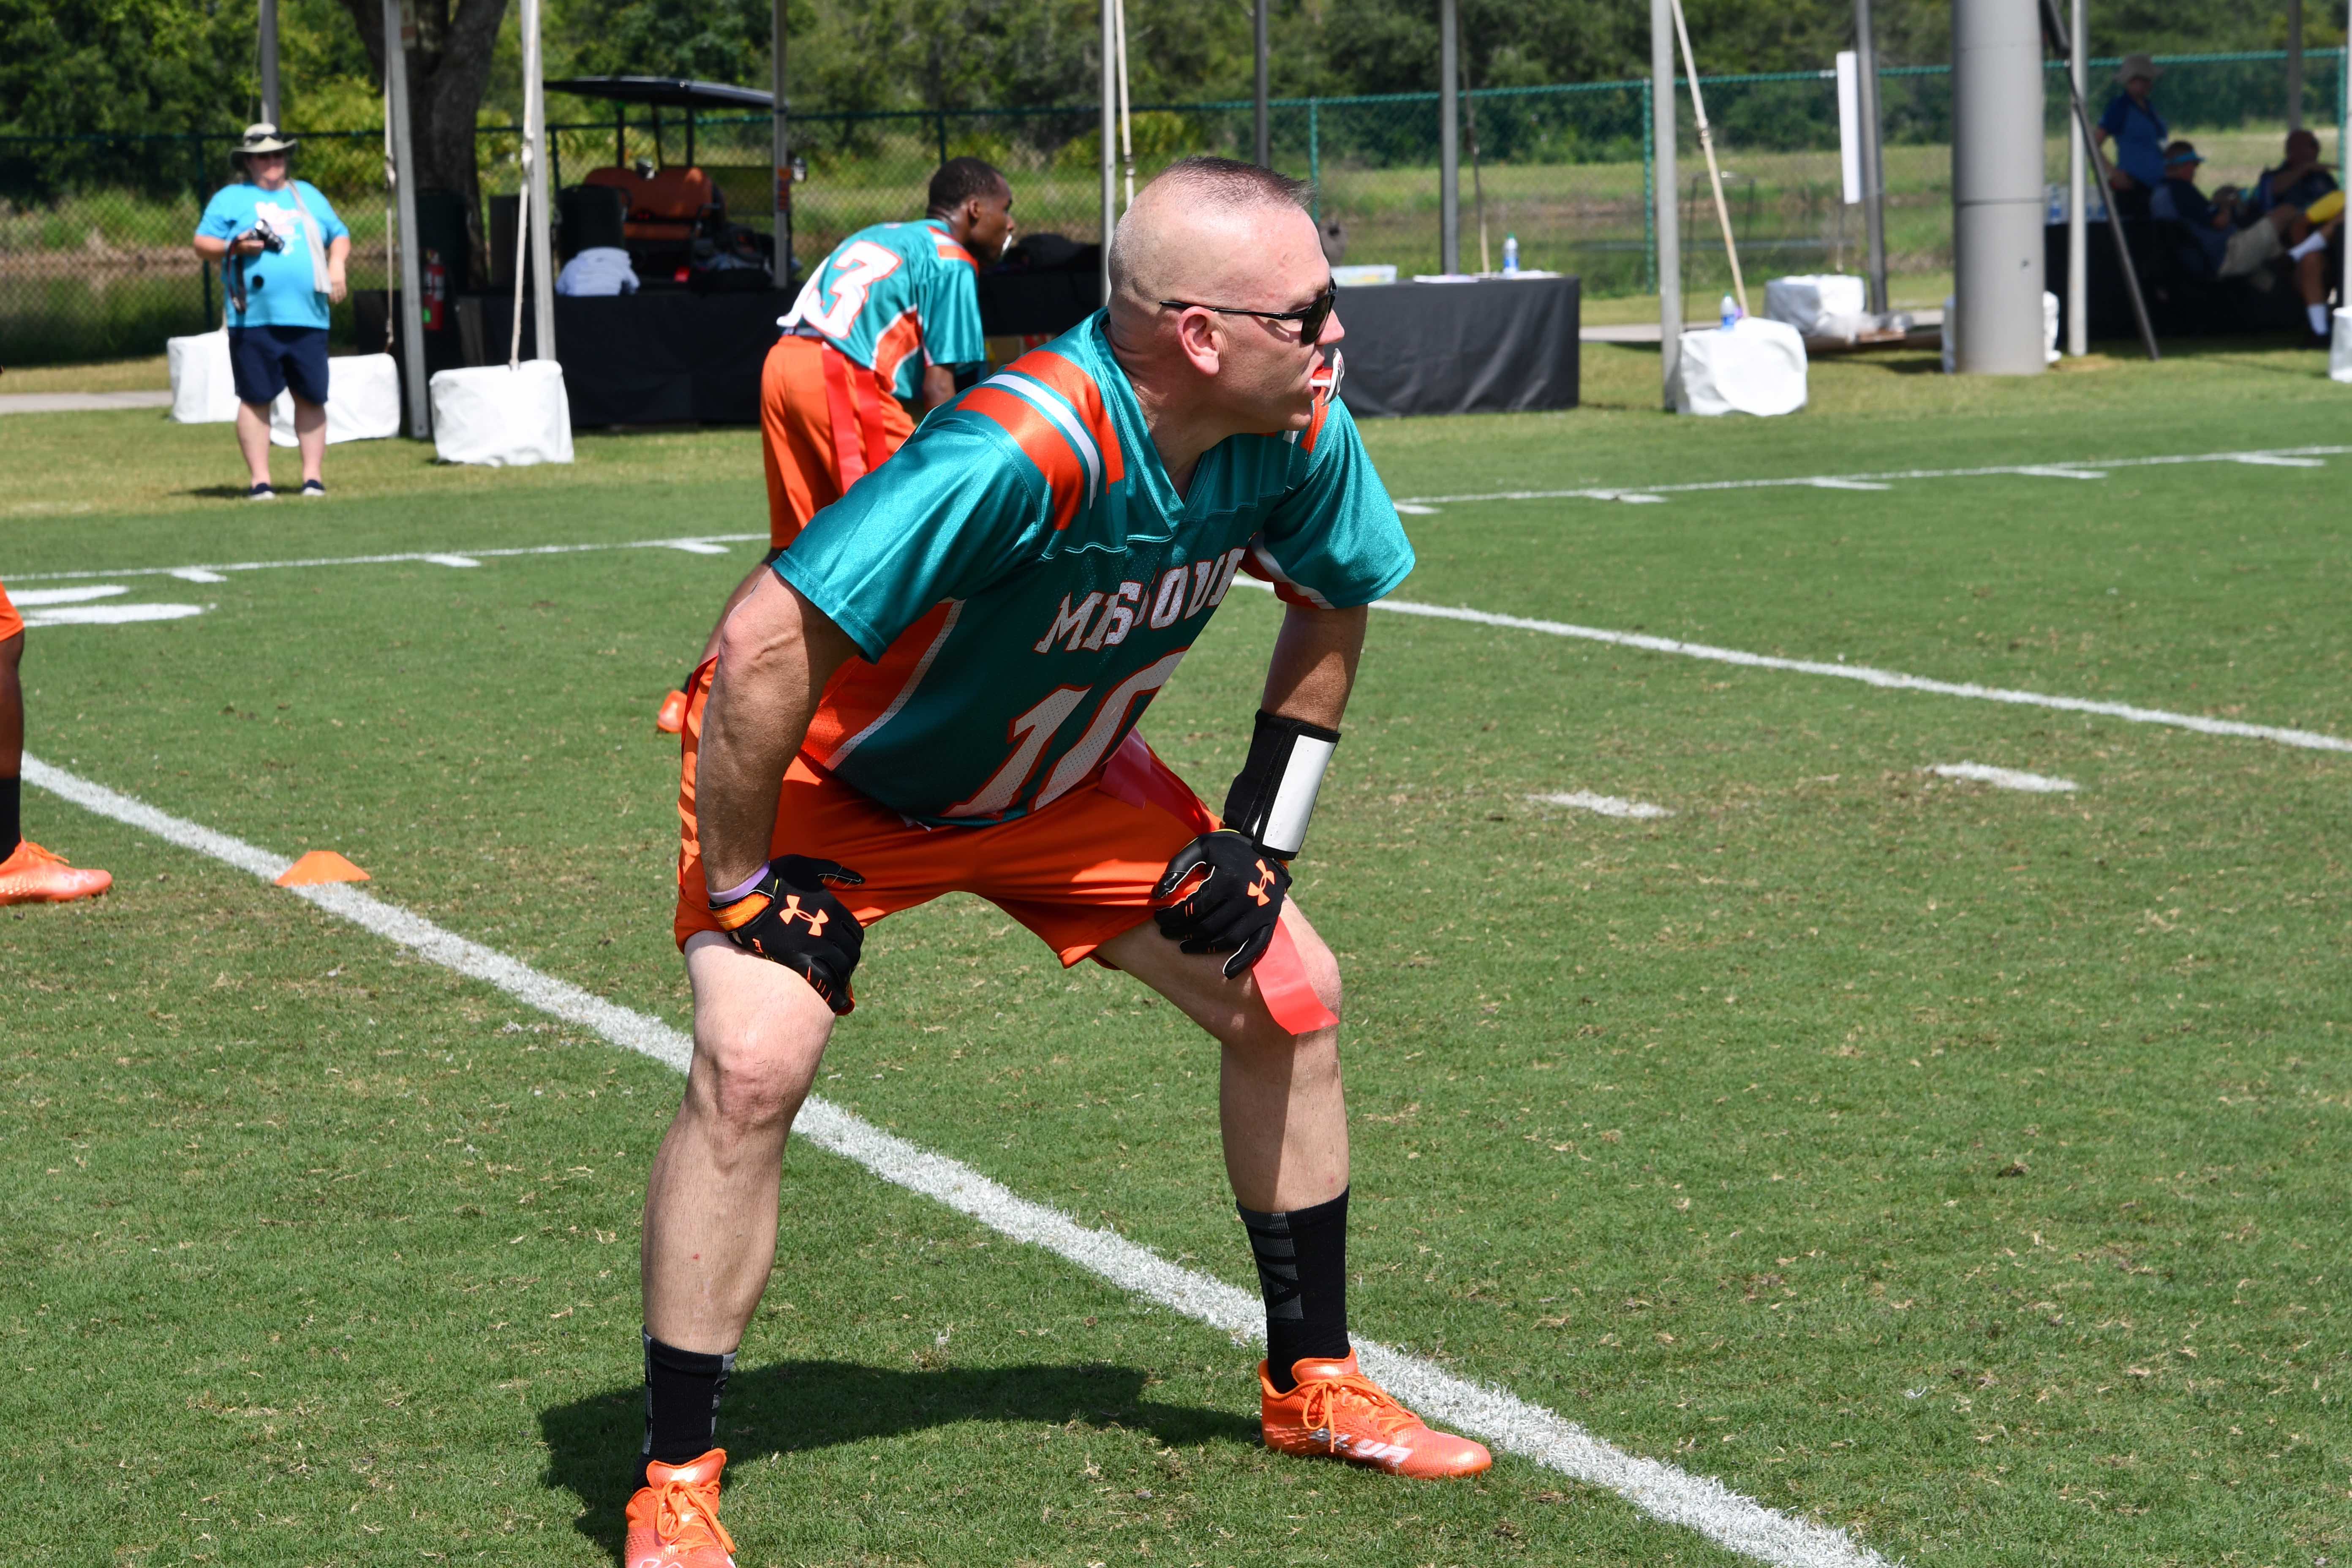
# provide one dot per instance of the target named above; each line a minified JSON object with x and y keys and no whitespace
{"x":793,"y":893}
{"x":1228,"y":899}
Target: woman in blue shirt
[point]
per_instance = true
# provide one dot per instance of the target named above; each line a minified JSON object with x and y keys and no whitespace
{"x":279,"y":298}
{"x":2140,"y":134}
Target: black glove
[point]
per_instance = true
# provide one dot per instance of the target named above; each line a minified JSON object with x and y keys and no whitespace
{"x":1232,"y":899}
{"x":790,"y":916}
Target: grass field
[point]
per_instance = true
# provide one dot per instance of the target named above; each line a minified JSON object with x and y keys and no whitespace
{"x":1956,"y":1166}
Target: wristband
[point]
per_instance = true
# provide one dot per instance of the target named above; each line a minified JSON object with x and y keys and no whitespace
{"x":719,"y":901}
{"x":1273,"y":796}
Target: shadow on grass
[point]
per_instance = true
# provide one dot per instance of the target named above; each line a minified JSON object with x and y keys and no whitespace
{"x":215,"y":492}
{"x":795,"y":1406}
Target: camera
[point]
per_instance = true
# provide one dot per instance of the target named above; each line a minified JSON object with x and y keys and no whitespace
{"x":271,"y":240}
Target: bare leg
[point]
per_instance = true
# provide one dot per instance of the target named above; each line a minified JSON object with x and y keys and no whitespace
{"x":710,"y":1205}
{"x":1279,"y":1101}
{"x":12,"y":712}
{"x":310,"y":435}
{"x":253,"y":439}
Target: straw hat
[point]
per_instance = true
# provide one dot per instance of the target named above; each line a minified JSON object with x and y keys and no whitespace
{"x":2137,"y":65}
{"x":262,"y":136}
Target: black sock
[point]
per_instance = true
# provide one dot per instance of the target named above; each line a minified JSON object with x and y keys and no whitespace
{"x":682,"y":1390}
{"x":12,"y":820}
{"x":1302,"y":1266}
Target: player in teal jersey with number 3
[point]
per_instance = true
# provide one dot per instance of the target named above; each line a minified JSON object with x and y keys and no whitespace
{"x":937,"y":688}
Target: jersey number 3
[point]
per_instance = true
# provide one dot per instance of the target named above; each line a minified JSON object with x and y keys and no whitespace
{"x":861,"y":265}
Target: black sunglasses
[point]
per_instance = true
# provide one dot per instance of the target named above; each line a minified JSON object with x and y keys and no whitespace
{"x":1311,"y":320}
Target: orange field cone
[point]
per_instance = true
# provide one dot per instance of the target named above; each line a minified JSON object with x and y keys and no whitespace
{"x":320,"y":865}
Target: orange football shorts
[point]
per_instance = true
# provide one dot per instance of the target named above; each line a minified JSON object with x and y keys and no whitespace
{"x":11,"y":623}
{"x":824,"y":423}
{"x":1077,"y":873}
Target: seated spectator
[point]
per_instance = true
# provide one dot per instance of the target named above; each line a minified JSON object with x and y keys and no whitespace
{"x":2283,"y":232}
{"x":2301,"y":180}
{"x":2138,"y":132}
{"x":599,"y":269}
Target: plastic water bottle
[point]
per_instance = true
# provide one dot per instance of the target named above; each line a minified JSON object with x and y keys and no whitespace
{"x":1730,"y":312}
{"x":1510,"y":254}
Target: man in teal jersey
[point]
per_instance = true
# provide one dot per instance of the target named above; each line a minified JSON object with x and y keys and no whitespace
{"x":936,"y":688}
{"x":878,"y":330}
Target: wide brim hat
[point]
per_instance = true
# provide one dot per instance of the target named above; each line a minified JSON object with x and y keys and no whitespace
{"x":262,"y":136}
{"x":2131,"y":65}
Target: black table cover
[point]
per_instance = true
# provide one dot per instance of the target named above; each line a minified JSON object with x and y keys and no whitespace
{"x":666,"y":358}
{"x":1496,"y":346}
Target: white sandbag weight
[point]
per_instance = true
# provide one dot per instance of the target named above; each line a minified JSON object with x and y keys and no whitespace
{"x":1753,"y":366}
{"x":203,"y":387}
{"x":362,"y":402}
{"x":502,"y":418}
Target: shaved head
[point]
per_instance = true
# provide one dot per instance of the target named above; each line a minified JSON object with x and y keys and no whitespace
{"x":1206,"y":244}
{"x":1198,"y":227}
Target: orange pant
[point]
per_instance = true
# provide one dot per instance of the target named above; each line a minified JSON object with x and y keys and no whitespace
{"x":1077,"y":873}
{"x":11,"y":623}
{"x":824,"y":423}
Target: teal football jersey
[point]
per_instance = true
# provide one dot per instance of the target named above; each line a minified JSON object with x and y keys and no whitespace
{"x":894,"y":298}
{"x":1022,"y":577}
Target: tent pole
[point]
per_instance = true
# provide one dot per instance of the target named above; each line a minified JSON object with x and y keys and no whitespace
{"x":1874,"y":163}
{"x":1449,"y":150}
{"x":539,"y":209}
{"x":2078,"y":195}
{"x":1109,"y":139}
{"x":1126,"y":109}
{"x":1665,"y":214}
{"x":1707,"y":145}
{"x":404,"y":161}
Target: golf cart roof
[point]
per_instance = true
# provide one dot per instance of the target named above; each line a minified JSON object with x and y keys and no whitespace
{"x":670,"y":91}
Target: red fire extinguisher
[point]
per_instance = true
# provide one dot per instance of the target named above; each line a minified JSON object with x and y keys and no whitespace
{"x":436,"y":306}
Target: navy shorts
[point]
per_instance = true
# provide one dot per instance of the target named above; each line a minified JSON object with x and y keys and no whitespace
{"x":265,"y":361}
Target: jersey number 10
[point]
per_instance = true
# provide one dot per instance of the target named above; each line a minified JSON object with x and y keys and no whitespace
{"x":1031,"y":730}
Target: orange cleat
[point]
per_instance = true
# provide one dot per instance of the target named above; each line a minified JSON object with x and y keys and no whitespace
{"x":673,"y":1518}
{"x":672,"y":717}
{"x":1336,"y":1410}
{"x":34,"y":876}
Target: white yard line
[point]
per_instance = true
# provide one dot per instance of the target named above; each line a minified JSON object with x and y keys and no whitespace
{"x":1894,"y":680}
{"x":1660,"y":1490}
{"x":1604,"y":804}
{"x":2089,"y":469}
{"x":2003,"y":778}
{"x":213,"y":571}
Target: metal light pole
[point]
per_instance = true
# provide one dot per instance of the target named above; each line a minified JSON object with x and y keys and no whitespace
{"x":1109,"y":140}
{"x":534,"y":173}
{"x":1265,"y":132}
{"x":1874,"y":166}
{"x":269,"y":60}
{"x":1449,"y":149}
{"x":404,"y":164}
{"x":779,"y":149}
{"x":1666,"y":211}
{"x":2078,"y":192}
{"x":2294,"y":65}
{"x":1996,"y":186}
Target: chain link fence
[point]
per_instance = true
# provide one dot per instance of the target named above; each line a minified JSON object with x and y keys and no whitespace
{"x":95,"y":262}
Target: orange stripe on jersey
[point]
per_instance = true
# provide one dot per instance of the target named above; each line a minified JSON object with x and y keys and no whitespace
{"x":949,"y":251}
{"x":1079,"y":389}
{"x":893,"y":344}
{"x":1043,"y":444}
{"x":861,"y":692}
{"x":1315,"y":421}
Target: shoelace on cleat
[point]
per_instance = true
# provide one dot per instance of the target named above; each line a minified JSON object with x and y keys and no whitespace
{"x":680,"y":1506}
{"x":1324,"y":1396}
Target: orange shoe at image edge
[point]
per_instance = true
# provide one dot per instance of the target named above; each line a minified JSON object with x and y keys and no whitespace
{"x":33,"y":876}
{"x":672,"y":717}
{"x":673,"y":1518}
{"x":1336,"y":1410}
